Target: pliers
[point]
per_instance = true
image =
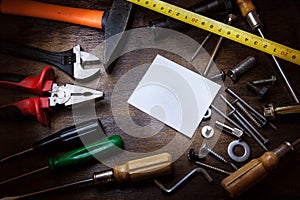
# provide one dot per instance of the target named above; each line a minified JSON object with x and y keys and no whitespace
{"x":41,"y":85}
{"x":71,"y":61}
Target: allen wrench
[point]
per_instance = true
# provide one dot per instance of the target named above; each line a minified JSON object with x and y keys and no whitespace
{"x":184,"y":179}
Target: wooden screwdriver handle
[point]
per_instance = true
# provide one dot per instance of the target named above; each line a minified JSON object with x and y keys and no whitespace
{"x":143,"y":168}
{"x":248,"y":175}
{"x":86,"y":17}
{"x":245,"y":6}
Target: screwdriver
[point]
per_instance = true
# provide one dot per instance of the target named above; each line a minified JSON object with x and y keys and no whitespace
{"x":248,"y":10}
{"x":134,"y":170}
{"x":70,"y":136}
{"x":255,"y":170}
{"x":78,"y":156}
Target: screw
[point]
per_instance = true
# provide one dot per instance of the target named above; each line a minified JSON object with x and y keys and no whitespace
{"x":248,"y":127}
{"x":219,"y":76}
{"x":207,"y":132}
{"x":205,"y":149}
{"x":229,"y":20}
{"x":193,"y":156}
{"x":241,"y":68}
{"x":272,"y":81}
{"x":260,"y":92}
{"x":245,"y":111}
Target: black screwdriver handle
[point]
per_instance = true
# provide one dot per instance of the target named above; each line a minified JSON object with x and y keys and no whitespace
{"x":72,"y":136}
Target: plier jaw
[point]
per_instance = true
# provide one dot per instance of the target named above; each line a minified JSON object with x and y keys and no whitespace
{"x":72,"y":94}
{"x":41,"y":85}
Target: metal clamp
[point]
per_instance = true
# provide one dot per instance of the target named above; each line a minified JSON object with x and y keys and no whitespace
{"x":233,"y":156}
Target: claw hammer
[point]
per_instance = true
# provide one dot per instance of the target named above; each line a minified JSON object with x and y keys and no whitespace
{"x":113,"y":22}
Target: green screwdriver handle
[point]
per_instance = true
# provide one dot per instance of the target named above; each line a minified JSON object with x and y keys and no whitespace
{"x":86,"y":153}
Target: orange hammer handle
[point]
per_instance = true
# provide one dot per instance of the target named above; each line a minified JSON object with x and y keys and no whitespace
{"x":86,"y":17}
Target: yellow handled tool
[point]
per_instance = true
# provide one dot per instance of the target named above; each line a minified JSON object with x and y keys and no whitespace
{"x":134,"y":170}
{"x":222,"y":29}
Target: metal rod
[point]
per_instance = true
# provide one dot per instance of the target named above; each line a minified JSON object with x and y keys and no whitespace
{"x":16,"y":154}
{"x":212,"y":57}
{"x":252,"y":127}
{"x":292,"y":91}
{"x":226,"y":117}
{"x":23,"y":175}
{"x":68,"y":185}
{"x":257,"y":114}
{"x":237,"y":117}
{"x":229,"y":20}
{"x":200,"y":47}
{"x":232,"y":93}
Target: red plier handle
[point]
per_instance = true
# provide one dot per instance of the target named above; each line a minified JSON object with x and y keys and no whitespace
{"x":36,"y":85}
{"x":36,"y":107}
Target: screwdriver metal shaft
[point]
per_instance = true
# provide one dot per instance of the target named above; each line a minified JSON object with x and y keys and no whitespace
{"x":248,"y":10}
{"x":70,"y":136}
{"x":16,"y":155}
{"x":77,"y":156}
{"x":134,"y":170}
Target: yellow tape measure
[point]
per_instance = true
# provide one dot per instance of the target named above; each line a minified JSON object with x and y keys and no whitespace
{"x":222,"y":29}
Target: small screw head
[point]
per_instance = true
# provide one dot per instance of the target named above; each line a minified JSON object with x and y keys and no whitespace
{"x":274,"y":78}
{"x":207,"y":132}
{"x":222,"y":74}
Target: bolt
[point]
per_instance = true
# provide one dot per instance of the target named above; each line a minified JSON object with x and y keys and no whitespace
{"x":204,"y":150}
{"x":271,"y":81}
{"x":219,"y":76}
{"x":227,"y":129}
{"x":260,"y":92}
{"x":241,"y":68}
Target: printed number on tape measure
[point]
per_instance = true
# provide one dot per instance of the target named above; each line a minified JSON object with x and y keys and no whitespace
{"x":222,"y":29}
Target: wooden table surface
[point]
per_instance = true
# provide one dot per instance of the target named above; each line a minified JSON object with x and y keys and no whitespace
{"x":281,"y":24}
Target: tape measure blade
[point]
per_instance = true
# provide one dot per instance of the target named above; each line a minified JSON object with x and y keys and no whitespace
{"x":222,"y":29}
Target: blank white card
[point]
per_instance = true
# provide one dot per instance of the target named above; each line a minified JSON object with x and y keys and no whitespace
{"x":174,"y":95}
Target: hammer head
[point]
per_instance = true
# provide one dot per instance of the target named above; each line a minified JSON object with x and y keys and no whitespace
{"x":115,"y":25}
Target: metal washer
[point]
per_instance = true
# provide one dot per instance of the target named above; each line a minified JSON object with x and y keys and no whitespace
{"x":234,"y":157}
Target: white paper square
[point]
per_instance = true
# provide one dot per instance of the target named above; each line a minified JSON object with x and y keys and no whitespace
{"x":174,"y":95}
